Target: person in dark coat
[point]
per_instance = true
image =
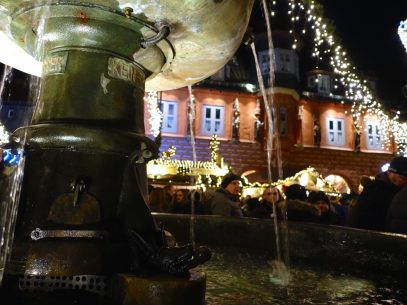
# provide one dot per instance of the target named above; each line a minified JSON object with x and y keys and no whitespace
{"x":296,"y":207}
{"x":328,"y":214}
{"x":250,"y":205}
{"x":264,"y":208}
{"x":225,"y":200}
{"x":181,"y":204}
{"x":396,"y":220}
{"x":370,"y":210}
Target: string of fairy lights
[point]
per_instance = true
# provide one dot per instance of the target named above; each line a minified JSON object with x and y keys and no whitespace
{"x":307,"y":15}
{"x":202,"y":170}
{"x":155,"y":118}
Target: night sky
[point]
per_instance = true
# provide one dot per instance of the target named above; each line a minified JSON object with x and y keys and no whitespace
{"x":368,"y":31}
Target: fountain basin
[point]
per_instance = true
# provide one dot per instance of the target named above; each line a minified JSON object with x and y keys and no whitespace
{"x":348,"y":261}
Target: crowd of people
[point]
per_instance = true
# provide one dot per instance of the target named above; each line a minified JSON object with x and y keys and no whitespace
{"x":381,"y":205}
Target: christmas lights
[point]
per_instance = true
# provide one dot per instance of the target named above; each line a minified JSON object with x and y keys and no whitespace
{"x":155,"y":119}
{"x":356,"y":90}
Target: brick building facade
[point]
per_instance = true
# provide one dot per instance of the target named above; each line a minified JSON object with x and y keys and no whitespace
{"x":248,"y":156}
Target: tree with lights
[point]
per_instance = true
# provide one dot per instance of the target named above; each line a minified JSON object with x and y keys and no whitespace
{"x":4,"y":135}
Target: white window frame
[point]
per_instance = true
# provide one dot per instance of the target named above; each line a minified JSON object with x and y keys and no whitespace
{"x":374,"y":137}
{"x":334,"y":135}
{"x":168,"y":117}
{"x":212,"y":125}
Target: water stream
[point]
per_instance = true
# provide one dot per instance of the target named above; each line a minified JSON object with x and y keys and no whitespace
{"x":12,"y":172}
{"x":191,"y":116}
{"x":273,"y":146}
{"x":11,"y":178}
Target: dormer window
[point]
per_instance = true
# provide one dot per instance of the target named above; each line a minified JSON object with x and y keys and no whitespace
{"x":321,"y":83}
{"x":263,"y":57}
{"x":286,"y":61}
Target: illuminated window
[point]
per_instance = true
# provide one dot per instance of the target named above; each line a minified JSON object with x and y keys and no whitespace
{"x":373,"y":136}
{"x":335,"y":132}
{"x":212,"y":120}
{"x":169,"y":111}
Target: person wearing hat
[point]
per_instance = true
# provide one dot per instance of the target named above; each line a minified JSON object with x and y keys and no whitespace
{"x":296,"y":206}
{"x":328,"y":214}
{"x":370,"y":210}
{"x":225,"y":200}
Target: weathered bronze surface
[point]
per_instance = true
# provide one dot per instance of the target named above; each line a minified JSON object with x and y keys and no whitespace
{"x":204,"y":34}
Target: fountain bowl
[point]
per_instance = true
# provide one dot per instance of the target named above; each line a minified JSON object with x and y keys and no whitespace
{"x":365,"y":257}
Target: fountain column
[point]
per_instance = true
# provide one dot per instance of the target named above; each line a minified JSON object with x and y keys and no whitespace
{"x":86,"y":135}
{"x":85,"y":180}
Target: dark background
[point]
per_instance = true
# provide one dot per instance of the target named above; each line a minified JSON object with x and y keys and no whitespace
{"x":367,"y":30}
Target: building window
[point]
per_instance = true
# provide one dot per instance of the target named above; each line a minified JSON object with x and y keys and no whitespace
{"x":373,"y":136}
{"x":320,"y":82}
{"x":283,"y":121}
{"x":263,"y":57}
{"x":212,"y":120}
{"x":286,"y":61}
{"x":169,"y":112}
{"x":335,"y":132}
{"x":10,"y":113}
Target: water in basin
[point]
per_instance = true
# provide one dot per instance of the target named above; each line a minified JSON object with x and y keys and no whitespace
{"x":249,"y":278}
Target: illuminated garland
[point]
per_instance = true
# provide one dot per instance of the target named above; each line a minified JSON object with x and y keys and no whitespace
{"x":155,"y":119}
{"x":309,"y":13}
{"x":168,"y":154}
{"x":309,"y":178}
{"x":214,"y":147}
{"x":166,"y":167}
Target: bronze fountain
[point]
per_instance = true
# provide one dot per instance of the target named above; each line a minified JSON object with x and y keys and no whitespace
{"x":83,"y":224}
